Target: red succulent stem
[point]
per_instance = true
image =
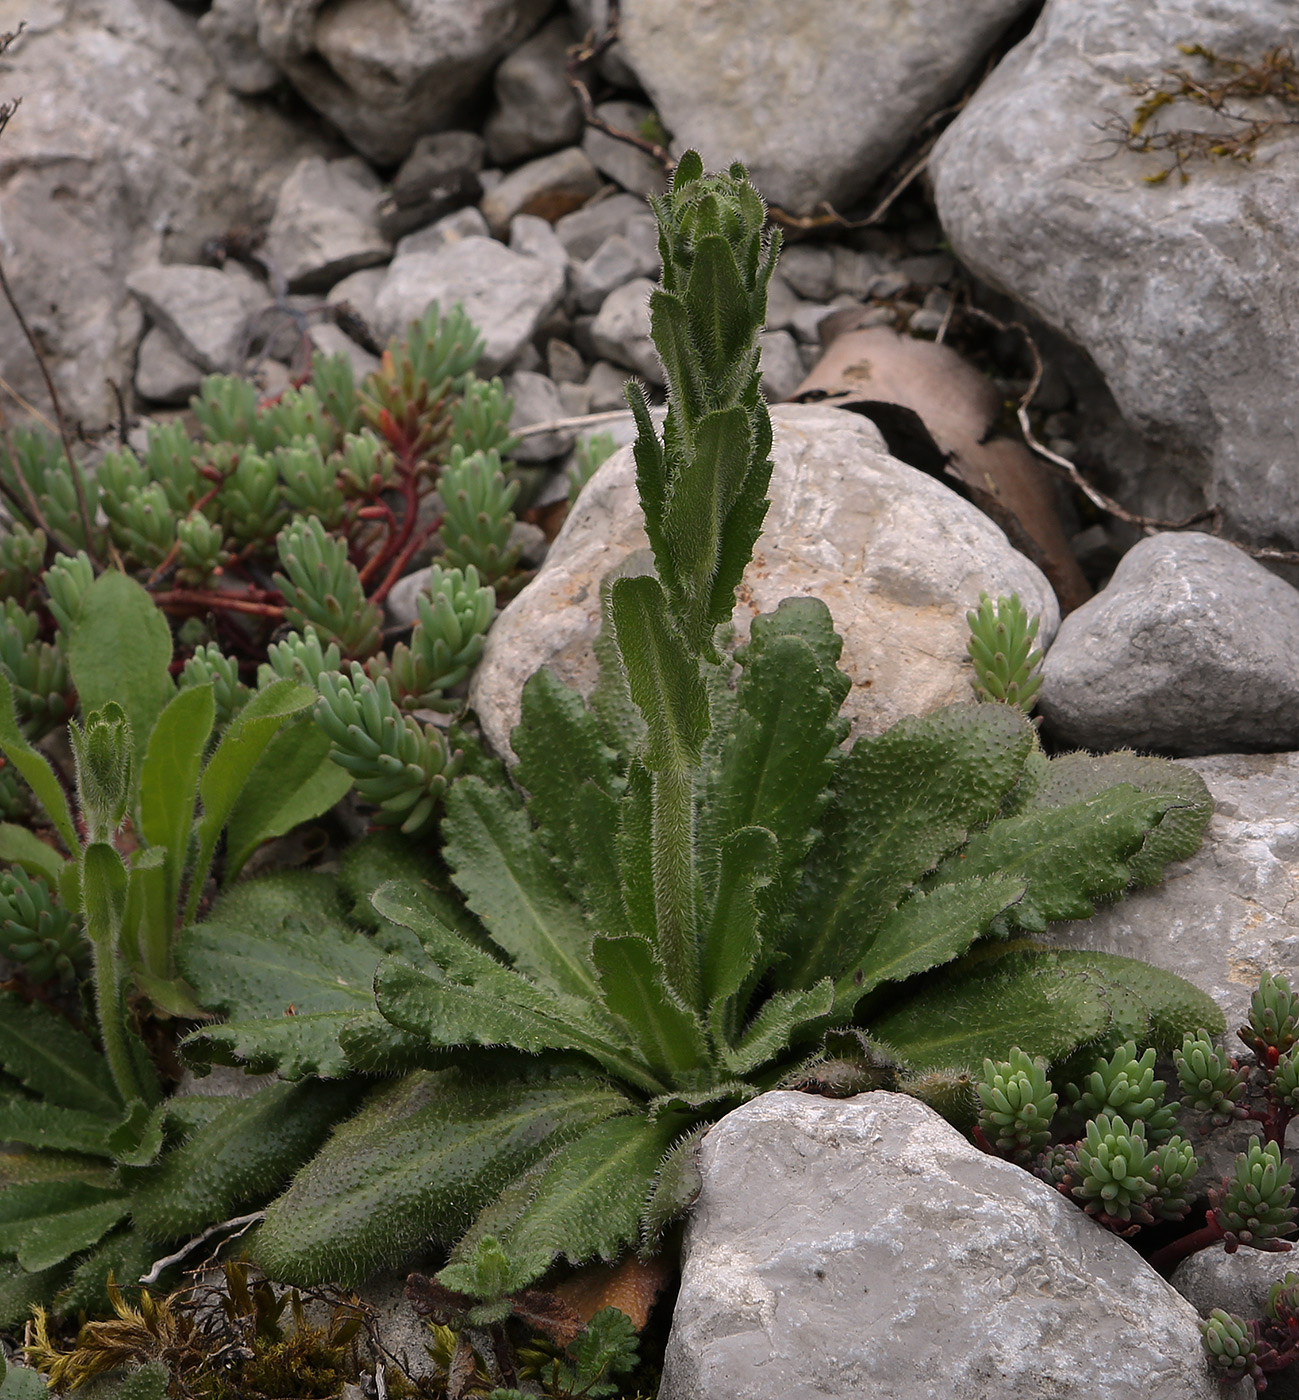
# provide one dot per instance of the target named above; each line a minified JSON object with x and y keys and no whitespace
{"x":189,"y":599}
{"x":1163,"y":1260}
{"x":402,"y":559}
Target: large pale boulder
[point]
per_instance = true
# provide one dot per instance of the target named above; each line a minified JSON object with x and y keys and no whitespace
{"x":1181,"y":294}
{"x":897,"y":557}
{"x":862,"y":1247}
{"x":127,"y":147}
{"x":816,"y":99}
{"x":388,"y":71}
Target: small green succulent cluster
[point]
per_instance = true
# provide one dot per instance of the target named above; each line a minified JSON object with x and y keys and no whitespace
{"x":328,"y":480}
{"x":1108,"y":1140}
{"x":1237,"y":1347}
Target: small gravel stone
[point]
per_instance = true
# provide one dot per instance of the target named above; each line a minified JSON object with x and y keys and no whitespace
{"x":854,"y":272}
{"x":535,"y":109}
{"x":576,"y":399}
{"x":929,"y":269}
{"x":607,"y":385}
{"x":505,"y":294}
{"x":326,"y":224}
{"x":551,"y":187}
{"x":563,"y":363}
{"x":621,"y":330}
{"x":635,"y":170}
{"x":612,"y":264}
{"x":783,"y":303}
{"x":359,"y":291}
{"x":205,"y":310}
{"x":439,"y":176}
{"x":535,"y":238}
{"x":782,"y":366}
{"x":810,"y":270}
{"x":536,"y":400}
{"x":162,"y":374}
{"x":585,"y":229}
{"x":332,"y":340}
{"x":451,"y":228}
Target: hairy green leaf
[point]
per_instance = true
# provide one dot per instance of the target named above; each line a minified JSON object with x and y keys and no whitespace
{"x":46,"y":1222}
{"x":47,"y":1055}
{"x":35,"y":768}
{"x":46,"y":1125}
{"x":635,"y":988}
{"x":415,"y":1163}
{"x":21,"y":847}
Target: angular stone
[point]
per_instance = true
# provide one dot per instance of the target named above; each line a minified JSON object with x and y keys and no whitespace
{"x":585,"y":229}
{"x":635,"y":170}
{"x":809,"y":269}
{"x":1180,"y":293}
{"x":782,"y":365}
{"x":535,"y":109}
{"x":613,"y":264}
{"x":1189,"y":650}
{"x":386,"y":74}
{"x":452,"y":228}
{"x":607,"y":384}
{"x":360,"y":291}
{"x":550,"y":186}
{"x":229,"y":31}
{"x":326,"y":224}
{"x":864,"y":1248}
{"x":505,"y":295}
{"x":332,"y":340}
{"x":536,"y":400}
{"x":896,"y":556}
{"x":817,"y":100}
{"x":1231,"y":912}
{"x":621,"y":330}
{"x":206,"y":311}
{"x":129,"y":149}
{"x":535,"y":238}
{"x":563,"y":363}
{"x":162,"y":373}
{"x":439,"y":175}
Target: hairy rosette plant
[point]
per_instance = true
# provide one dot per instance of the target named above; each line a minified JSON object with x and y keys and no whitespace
{"x":690,"y":892}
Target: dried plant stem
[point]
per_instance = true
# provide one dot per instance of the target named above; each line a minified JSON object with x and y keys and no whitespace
{"x":78,"y":479}
{"x":239,"y":1223}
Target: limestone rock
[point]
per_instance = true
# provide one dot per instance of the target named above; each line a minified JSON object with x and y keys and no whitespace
{"x":129,"y":149}
{"x":229,"y":30}
{"x":464,"y":223}
{"x":535,"y":238}
{"x":387,"y":73}
{"x":896,"y":556}
{"x":506,"y":295}
{"x":863,"y":1247}
{"x":817,"y":100}
{"x":550,"y":186}
{"x":1230,"y":912}
{"x":162,"y":373}
{"x":439,"y":175}
{"x":536,"y":400}
{"x":535,"y":109}
{"x":635,"y":170}
{"x":326,"y":224}
{"x":1179,"y":293}
{"x":613,"y":264}
{"x":782,"y":365}
{"x":621,"y":330}
{"x":206,"y":311}
{"x":1189,"y":650}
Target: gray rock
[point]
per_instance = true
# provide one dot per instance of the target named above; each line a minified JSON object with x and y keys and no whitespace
{"x":535,"y":238}
{"x":897,"y":557}
{"x":563,"y":363}
{"x":816,"y":100}
{"x":325,"y":225}
{"x":550,"y":186}
{"x":642,"y":233}
{"x":1178,"y":293}
{"x":507,"y":296}
{"x":440,"y":174}
{"x":809,"y":268}
{"x":576,"y":399}
{"x":635,"y":170}
{"x":783,"y":304}
{"x":1189,"y":650}
{"x":863,"y":1247}
{"x":452,"y":228}
{"x":385,"y":74}
{"x":332,"y":340}
{"x":205,"y":310}
{"x":130,"y":149}
{"x":855,"y":272}
{"x":1238,"y":1282}
{"x":582,"y":231}
{"x":621,"y":330}
{"x":162,"y":373}
{"x":782,"y":366}
{"x":607,"y":385}
{"x":536,"y":400}
{"x":805,"y":320}
{"x":360,"y":291}
{"x":613,"y":264}
{"x":1231,"y":912}
{"x":229,"y":30}
{"x":535,"y":109}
